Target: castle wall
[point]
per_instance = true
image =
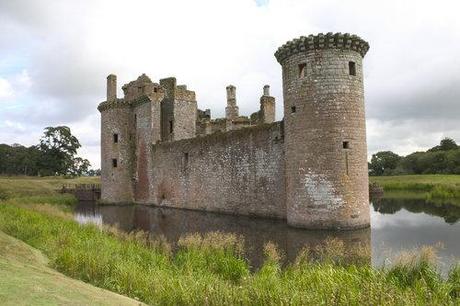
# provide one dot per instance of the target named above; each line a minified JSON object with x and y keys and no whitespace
{"x":239,"y":172}
{"x":185,"y":109}
{"x":116,"y":183}
{"x":143,"y":138}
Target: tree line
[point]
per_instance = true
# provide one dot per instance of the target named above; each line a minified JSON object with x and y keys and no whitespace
{"x":55,"y":154}
{"x":441,"y":159}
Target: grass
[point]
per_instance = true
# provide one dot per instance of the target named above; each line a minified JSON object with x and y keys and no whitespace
{"x":21,"y":186}
{"x":26,"y":279}
{"x":439,"y":189}
{"x":210,"y":270}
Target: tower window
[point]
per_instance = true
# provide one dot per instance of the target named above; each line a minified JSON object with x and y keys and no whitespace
{"x":114,"y":162}
{"x":352,"y":68}
{"x":135,"y":121}
{"x":171,"y":126}
{"x":346,"y":145}
{"x":185,"y":160}
{"x":302,"y":68}
{"x":293,"y":109}
{"x":115,"y":138}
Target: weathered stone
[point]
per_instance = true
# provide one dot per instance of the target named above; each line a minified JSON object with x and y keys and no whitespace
{"x":310,"y":169}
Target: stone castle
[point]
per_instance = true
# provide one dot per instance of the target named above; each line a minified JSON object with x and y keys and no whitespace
{"x":310,"y":168}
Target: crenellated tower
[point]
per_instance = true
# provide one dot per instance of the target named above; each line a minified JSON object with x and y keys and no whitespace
{"x":325,"y":131}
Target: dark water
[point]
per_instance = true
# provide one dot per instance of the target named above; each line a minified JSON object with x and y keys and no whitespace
{"x":396,"y":225}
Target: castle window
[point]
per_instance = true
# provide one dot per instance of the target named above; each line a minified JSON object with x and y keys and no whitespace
{"x":352,"y":68}
{"x":185,"y":160}
{"x":293,"y":109}
{"x":114,"y":162}
{"x":155,"y":89}
{"x":171,"y":126}
{"x":115,"y":138}
{"x":135,"y":120}
{"x":302,"y":68}
{"x":346,"y":145}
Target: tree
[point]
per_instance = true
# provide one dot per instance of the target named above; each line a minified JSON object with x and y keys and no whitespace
{"x":59,"y":147}
{"x":80,"y":166}
{"x":446,"y":144}
{"x":383,"y":162}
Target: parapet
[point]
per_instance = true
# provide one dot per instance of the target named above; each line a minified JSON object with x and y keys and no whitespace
{"x":143,"y":85}
{"x":322,"y":41}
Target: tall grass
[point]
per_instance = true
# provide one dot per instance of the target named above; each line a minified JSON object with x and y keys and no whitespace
{"x":210,"y":269}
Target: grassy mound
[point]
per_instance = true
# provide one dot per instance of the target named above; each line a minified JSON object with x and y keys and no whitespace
{"x":27,"y":280}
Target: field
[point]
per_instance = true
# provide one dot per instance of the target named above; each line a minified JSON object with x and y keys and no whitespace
{"x":19,"y":186}
{"x":439,"y":189}
{"x":208,"y":270}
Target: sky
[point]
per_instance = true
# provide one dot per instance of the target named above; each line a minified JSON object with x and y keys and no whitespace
{"x":55,"y":56}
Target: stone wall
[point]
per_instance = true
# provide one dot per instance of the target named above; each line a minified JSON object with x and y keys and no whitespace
{"x":326,"y":153}
{"x":116,"y":182}
{"x":239,"y":172}
{"x":142,"y":133}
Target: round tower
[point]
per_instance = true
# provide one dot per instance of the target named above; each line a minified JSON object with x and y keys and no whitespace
{"x":325,"y":131}
{"x":116,"y":149}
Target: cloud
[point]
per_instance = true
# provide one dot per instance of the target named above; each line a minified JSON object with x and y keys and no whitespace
{"x":55,"y":56}
{"x":6,"y":90}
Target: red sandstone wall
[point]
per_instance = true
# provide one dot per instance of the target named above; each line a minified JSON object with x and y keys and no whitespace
{"x":240,"y":172}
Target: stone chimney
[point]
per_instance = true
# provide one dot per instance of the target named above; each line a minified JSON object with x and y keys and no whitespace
{"x":231,"y":111}
{"x":111,"y":87}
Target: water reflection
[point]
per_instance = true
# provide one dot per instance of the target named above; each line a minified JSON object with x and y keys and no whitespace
{"x":397,"y":224}
{"x":174,"y":223}
{"x":404,"y":224}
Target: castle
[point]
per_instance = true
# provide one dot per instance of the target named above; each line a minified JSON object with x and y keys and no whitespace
{"x":310,"y":168}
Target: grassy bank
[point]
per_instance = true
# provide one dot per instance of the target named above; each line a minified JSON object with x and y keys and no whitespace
{"x":211,"y":269}
{"x":435,"y":188}
{"x":21,"y":186}
{"x":26,"y":279}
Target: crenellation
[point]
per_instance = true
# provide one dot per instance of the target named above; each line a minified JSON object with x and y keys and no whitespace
{"x":170,"y":153}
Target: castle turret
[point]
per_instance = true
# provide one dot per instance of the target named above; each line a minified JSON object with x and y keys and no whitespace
{"x":231,"y":111}
{"x":325,"y":131}
{"x":116,"y":149}
{"x":267,"y":106}
{"x":179,"y":109}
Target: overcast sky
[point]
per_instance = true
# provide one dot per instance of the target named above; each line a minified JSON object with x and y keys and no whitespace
{"x":55,"y":56}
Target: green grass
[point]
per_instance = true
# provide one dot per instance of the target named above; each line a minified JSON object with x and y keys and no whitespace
{"x":436,"y":188}
{"x":211,"y":270}
{"x":417,"y":182}
{"x":20,"y":186}
{"x":26,"y":279}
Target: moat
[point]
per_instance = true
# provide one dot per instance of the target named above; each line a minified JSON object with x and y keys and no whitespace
{"x":396,"y":224}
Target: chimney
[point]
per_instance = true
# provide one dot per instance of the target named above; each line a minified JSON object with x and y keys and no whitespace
{"x":111,"y":87}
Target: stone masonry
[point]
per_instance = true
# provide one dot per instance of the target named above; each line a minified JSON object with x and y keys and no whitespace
{"x":310,"y":168}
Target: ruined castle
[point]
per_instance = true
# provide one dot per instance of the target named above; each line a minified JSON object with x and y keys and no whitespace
{"x":310,"y":168}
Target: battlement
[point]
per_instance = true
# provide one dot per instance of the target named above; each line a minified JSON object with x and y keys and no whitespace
{"x":118,"y":103}
{"x":322,"y":41}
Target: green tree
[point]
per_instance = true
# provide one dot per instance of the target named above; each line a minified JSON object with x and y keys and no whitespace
{"x":382,"y":163}
{"x":59,"y":147}
{"x":446,"y":144}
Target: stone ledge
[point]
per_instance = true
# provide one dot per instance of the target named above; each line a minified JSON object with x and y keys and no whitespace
{"x":121,"y":103}
{"x":322,"y":41}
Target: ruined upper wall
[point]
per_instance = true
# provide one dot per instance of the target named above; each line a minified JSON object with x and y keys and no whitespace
{"x":143,"y":85}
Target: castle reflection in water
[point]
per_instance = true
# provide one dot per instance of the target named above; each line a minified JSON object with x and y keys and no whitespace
{"x":256,"y":232}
